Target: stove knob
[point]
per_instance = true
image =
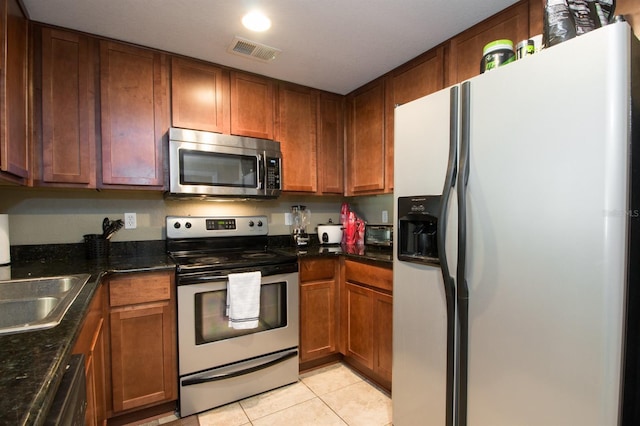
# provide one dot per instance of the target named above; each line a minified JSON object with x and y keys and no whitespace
{"x":251,"y":224}
{"x":259,"y":223}
{"x":187,"y":225}
{"x":176,"y":225}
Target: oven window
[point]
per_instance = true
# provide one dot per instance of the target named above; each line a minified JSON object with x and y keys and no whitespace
{"x":212,"y":324}
{"x":215,"y":169}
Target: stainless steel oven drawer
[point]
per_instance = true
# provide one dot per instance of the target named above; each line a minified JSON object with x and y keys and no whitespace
{"x":222,"y":385}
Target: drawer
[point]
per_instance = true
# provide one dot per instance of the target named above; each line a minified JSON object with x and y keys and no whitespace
{"x":370,"y":275}
{"x":131,"y":289}
{"x":317,"y":269}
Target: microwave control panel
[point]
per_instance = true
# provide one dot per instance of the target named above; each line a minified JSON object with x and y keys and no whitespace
{"x":273,"y":173}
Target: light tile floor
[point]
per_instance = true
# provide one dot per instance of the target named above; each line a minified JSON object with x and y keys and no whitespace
{"x":332,"y":395}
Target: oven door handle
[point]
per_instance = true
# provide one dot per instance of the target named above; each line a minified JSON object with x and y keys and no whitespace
{"x":214,"y":377}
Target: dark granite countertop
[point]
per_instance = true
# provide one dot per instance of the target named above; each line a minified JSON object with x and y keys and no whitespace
{"x":374,"y":255}
{"x":32,"y":363}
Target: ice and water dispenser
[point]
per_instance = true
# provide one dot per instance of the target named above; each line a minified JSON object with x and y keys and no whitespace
{"x":417,"y":229}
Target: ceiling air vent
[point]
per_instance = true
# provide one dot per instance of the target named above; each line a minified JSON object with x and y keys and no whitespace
{"x":261,"y":52}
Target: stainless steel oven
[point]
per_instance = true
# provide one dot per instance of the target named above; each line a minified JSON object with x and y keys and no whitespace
{"x":219,"y":364}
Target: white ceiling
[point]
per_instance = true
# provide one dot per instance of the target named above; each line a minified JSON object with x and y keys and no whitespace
{"x":334,"y":45}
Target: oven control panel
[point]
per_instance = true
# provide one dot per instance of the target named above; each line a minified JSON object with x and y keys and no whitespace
{"x":220,"y":224}
{"x":207,"y":226}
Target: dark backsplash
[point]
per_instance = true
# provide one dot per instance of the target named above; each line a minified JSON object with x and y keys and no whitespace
{"x":62,"y":252}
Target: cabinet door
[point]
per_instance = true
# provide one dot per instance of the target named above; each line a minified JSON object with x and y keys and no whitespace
{"x":466,"y":48}
{"x":297,"y":110}
{"x":331,"y":144}
{"x":94,"y":371}
{"x":252,"y":105}
{"x":318,"y":320}
{"x":134,"y":115}
{"x":143,"y":340}
{"x":418,"y":78}
{"x":383,"y":333}
{"x":142,"y":360}
{"x":14,"y":141}
{"x":199,"y":96}
{"x":318,"y":308}
{"x":365,"y":140}
{"x":68,"y":109}
{"x":91,"y":343}
{"x":358,"y":327}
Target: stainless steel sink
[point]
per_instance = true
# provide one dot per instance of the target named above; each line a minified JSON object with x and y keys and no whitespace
{"x":39,"y":303}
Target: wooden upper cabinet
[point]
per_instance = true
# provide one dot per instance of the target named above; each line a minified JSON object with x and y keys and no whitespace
{"x":366,"y":140}
{"x":331,"y":144}
{"x":252,"y":105}
{"x":536,"y":16}
{"x":134,"y":91}
{"x":200,"y":96}
{"x":296,"y":124}
{"x":466,"y":48}
{"x":14,"y":142}
{"x":68,"y":109}
{"x":417,"y":78}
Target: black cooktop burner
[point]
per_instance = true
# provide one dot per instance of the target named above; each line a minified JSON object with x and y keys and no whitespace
{"x":207,"y":260}
{"x":260,"y":255}
{"x":216,"y":260}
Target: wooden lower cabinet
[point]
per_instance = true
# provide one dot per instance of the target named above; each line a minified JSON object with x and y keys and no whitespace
{"x":318,"y":311}
{"x":143,"y":346}
{"x":366,"y":311}
{"x":91,"y":343}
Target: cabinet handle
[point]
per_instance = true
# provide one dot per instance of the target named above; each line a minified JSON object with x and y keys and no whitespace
{"x":463,"y":288}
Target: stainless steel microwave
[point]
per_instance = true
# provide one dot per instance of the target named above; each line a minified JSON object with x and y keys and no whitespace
{"x":205,"y":164}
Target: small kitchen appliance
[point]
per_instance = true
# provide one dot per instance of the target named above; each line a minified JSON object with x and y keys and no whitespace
{"x":300,"y":219}
{"x":378,"y":235}
{"x":330,"y":233}
{"x":218,"y":363}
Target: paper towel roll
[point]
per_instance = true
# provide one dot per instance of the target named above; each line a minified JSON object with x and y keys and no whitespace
{"x":5,"y":255}
{"x":5,"y":272}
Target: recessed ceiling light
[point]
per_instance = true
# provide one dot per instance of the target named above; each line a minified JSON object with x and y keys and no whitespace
{"x":256,"y":21}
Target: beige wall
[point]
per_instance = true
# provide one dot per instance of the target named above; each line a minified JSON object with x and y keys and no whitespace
{"x":49,"y":216}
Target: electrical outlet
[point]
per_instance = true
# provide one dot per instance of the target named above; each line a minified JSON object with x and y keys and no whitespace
{"x":385,"y":216}
{"x":287,"y":219}
{"x":130,"y":221}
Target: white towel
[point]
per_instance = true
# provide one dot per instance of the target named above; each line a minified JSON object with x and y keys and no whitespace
{"x":243,"y":300}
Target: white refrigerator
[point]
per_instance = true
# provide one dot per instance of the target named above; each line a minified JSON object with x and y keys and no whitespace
{"x":527,"y":314}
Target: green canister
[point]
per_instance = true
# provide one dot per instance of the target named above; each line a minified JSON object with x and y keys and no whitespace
{"x":497,"y":53}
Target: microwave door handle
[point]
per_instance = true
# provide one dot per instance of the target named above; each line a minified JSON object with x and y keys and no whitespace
{"x":261,"y":172}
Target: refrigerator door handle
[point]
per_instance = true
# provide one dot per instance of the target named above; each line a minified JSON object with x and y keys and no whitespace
{"x":448,"y":280}
{"x":463,"y":288}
